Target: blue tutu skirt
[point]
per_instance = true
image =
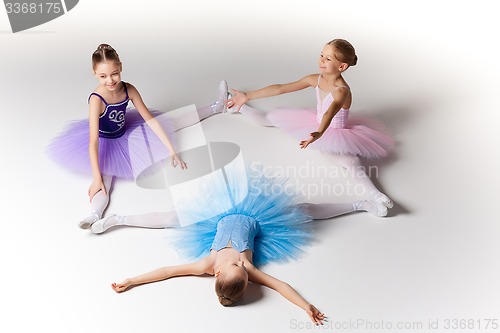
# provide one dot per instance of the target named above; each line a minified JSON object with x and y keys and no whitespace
{"x":123,"y":157}
{"x":284,"y":226}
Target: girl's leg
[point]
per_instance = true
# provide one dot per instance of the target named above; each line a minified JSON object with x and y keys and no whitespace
{"x":352,"y":164}
{"x":329,"y":210}
{"x":218,"y":106}
{"x":189,"y":119}
{"x":158,"y":220}
{"x":258,"y":116}
{"x":98,"y":204}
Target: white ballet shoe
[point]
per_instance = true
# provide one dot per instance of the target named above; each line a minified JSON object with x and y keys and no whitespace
{"x":382,"y":198}
{"x":87,"y":222}
{"x":374,"y":208}
{"x":218,"y":106}
{"x":382,"y":210}
{"x":100,"y":226}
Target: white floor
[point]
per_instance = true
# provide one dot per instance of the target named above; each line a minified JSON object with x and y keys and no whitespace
{"x":427,"y":69}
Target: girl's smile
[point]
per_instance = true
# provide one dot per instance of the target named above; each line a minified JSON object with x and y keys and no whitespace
{"x":108,"y":73}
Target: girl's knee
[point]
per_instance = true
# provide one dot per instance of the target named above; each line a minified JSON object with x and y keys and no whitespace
{"x":348,"y":161}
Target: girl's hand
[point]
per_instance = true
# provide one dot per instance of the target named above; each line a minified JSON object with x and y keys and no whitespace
{"x":122,"y":286}
{"x":237,"y":101}
{"x":96,"y":186}
{"x":177,"y":161}
{"x":314,"y":136}
{"x":316,"y":316}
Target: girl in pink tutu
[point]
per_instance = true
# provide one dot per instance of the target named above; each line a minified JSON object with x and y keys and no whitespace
{"x":113,"y":141}
{"x":329,"y":128}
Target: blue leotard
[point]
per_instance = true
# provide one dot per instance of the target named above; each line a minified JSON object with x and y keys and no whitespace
{"x":240,"y":230}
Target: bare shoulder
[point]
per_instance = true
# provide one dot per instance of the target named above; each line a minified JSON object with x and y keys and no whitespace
{"x":311,"y":79}
{"x":207,"y":263}
{"x":101,"y":91}
{"x":342,"y":96}
{"x":259,"y":277}
{"x":131,"y":89}
{"x":95,"y":100}
{"x":342,"y":91}
{"x":96,"y":105}
{"x":305,"y":82}
{"x":252,"y":271}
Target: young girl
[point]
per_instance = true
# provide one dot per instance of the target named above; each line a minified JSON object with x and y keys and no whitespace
{"x":329,"y":128}
{"x":266,"y":226}
{"x":113,"y":142}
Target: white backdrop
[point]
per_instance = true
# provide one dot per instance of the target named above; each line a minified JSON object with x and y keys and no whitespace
{"x":428,"y":69}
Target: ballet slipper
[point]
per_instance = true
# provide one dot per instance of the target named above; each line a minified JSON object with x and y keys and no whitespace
{"x":104,"y":224}
{"x":381,"y":198}
{"x":219,"y":106}
{"x":375,"y":208}
{"x":87,"y":222}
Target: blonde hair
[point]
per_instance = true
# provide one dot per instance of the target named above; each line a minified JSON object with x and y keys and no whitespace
{"x":345,"y":52}
{"x":229,"y":289}
{"x":104,"y":52}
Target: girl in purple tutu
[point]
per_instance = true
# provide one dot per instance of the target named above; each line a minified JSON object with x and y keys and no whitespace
{"x":113,"y":141}
{"x":328,"y":128}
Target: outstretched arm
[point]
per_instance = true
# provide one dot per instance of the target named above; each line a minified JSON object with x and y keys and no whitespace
{"x":154,"y":124}
{"x":257,"y":276}
{"x":200,"y":267}
{"x":240,"y":97}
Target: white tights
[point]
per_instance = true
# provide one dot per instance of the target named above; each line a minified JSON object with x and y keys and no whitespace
{"x":169,"y":219}
{"x":188,"y":119}
{"x":157,"y":220}
{"x":357,"y":173}
{"x":350,"y":163}
{"x":258,"y":116}
{"x":98,"y":204}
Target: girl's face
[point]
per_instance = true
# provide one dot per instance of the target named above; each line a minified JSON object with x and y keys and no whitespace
{"x":234,"y":268}
{"x":327,"y":62}
{"x":108,"y":73}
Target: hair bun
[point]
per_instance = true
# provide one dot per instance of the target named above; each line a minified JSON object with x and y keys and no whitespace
{"x":102,"y":47}
{"x":104,"y":52}
{"x":354,"y":61}
{"x":224,"y":300}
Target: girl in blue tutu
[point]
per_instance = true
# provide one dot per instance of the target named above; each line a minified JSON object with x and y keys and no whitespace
{"x":267,"y":225}
{"x":113,"y":141}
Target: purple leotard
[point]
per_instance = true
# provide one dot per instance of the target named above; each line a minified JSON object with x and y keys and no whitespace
{"x":112,"y":120}
{"x":127,"y":146}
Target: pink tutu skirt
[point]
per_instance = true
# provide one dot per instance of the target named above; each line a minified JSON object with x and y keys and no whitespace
{"x":123,"y":157}
{"x":362,"y":137}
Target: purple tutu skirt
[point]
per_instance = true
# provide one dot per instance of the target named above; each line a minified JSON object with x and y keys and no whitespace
{"x":122,"y":157}
{"x":362,"y":137}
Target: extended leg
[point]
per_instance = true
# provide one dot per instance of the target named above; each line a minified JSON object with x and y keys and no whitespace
{"x":357,"y":173}
{"x":328,"y":210}
{"x":216,"y":107}
{"x":258,"y":116}
{"x":158,"y":220}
